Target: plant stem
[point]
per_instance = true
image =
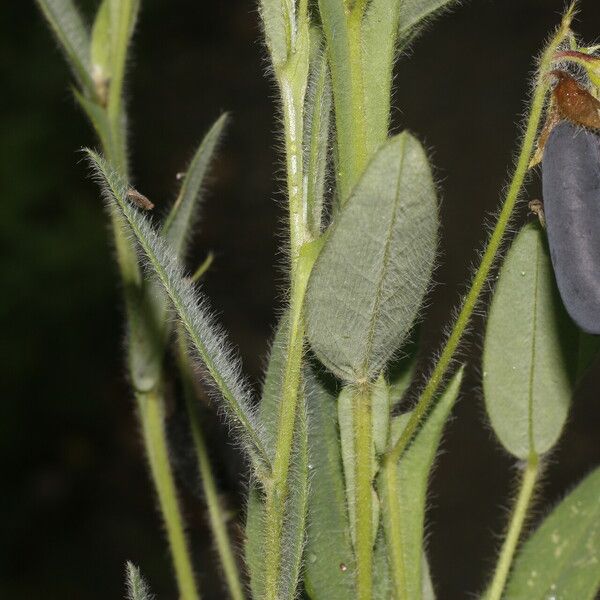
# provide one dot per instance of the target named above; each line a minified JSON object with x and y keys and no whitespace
{"x":391,"y":511}
{"x":217,"y":517}
{"x":519,"y":515}
{"x":362,"y":422}
{"x":151,"y":414}
{"x":303,"y":255}
{"x":277,"y":489}
{"x":493,"y":246}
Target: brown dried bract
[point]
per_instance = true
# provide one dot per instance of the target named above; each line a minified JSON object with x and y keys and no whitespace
{"x":574,"y":102}
{"x":139,"y":199}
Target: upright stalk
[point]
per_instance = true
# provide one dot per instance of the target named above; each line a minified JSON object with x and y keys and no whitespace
{"x":530,"y":476}
{"x":145,"y":346}
{"x":302,"y":258}
{"x":495,"y":241}
{"x":362,"y":422}
{"x":151,"y":409}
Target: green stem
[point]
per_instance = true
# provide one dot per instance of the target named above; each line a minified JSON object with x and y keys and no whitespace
{"x":395,"y":542}
{"x":216,"y":515}
{"x":491,"y":251}
{"x":277,"y":489}
{"x":362,"y":422}
{"x":519,"y":515}
{"x":292,"y":84}
{"x":151,"y":414}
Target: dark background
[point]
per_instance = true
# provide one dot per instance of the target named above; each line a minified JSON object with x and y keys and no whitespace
{"x":76,"y":501}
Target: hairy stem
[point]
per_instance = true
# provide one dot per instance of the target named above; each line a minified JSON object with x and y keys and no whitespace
{"x":151,"y":414}
{"x":493,"y":246}
{"x":528,"y":481}
{"x":362,"y":422}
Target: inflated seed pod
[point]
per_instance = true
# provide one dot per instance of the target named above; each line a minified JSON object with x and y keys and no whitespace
{"x":571,"y":187}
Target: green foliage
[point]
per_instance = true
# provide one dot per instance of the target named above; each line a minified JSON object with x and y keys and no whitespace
{"x":179,"y":224}
{"x":561,"y":559}
{"x":370,"y":279}
{"x":205,"y":336}
{"x":530,"y":346}
{"x":338,"y":490}
{"x":404,"y":494}
{"x":73,"y":38}
{"x":296,"y":507}
{"x":329,"y":565}
{"x":137,"y":589}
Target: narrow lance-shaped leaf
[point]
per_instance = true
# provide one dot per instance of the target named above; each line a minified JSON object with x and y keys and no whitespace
{"x":73,"y":36}
{"x":370,"y":279}
{"x":404,"y":520}
{"x":205,"y":336}
{"x":101,"y":51}
{"x":561,"y":559}
{"x":415,"y":12}
{"x":297,"y":503}
{"x":137,"y":588}
{"x":330,"y":568}
{"x":279,"y":23}
{"x":316,"y":131}
{"x":387,"y":24}
{"x":123,"y":17}
{"x":529,"y":349}
{"x":180,"y":220}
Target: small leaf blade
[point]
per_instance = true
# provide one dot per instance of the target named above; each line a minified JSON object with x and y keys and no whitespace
{"x":329,"y":570}
{"x":371,"y":277}
{"x":412,"y":479}
{"x":562,"y":557}
{"x":73,"y":36}
{"x":137,"y":588}
{"x":528,"y":350}
{"x":180,"y":220}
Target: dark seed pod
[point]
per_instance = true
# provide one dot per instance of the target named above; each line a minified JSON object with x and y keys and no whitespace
{"x":571,"y":186}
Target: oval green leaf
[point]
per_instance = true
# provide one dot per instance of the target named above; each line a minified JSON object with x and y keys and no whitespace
{"x":562,"y":558}
{"x":370,"y":279}
{"x":529,"y":349}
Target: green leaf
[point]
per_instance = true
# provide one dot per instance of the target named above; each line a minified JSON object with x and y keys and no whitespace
{"x":347,"y":438}
{"x":370,"y":279}
{"x":123,"y":17}
{"x":403,"y":504}
{"x":137,"y":589}
{"x":529,"y":349}
{"x":297,"y":503}
{"x":180,"y":220}
{"x":73,"y":37}
{"x":205,"y":336}
{"x":278,"y":23}
{"x":385,"y":23}
{"x":561,"y":560}
{"x":101,"y":50}
{"x":334,"y":19}
{"x":415,"y":12}
{"x":97,"y":117}
{"x":329,"y":571}
{"x":316,"y":131}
